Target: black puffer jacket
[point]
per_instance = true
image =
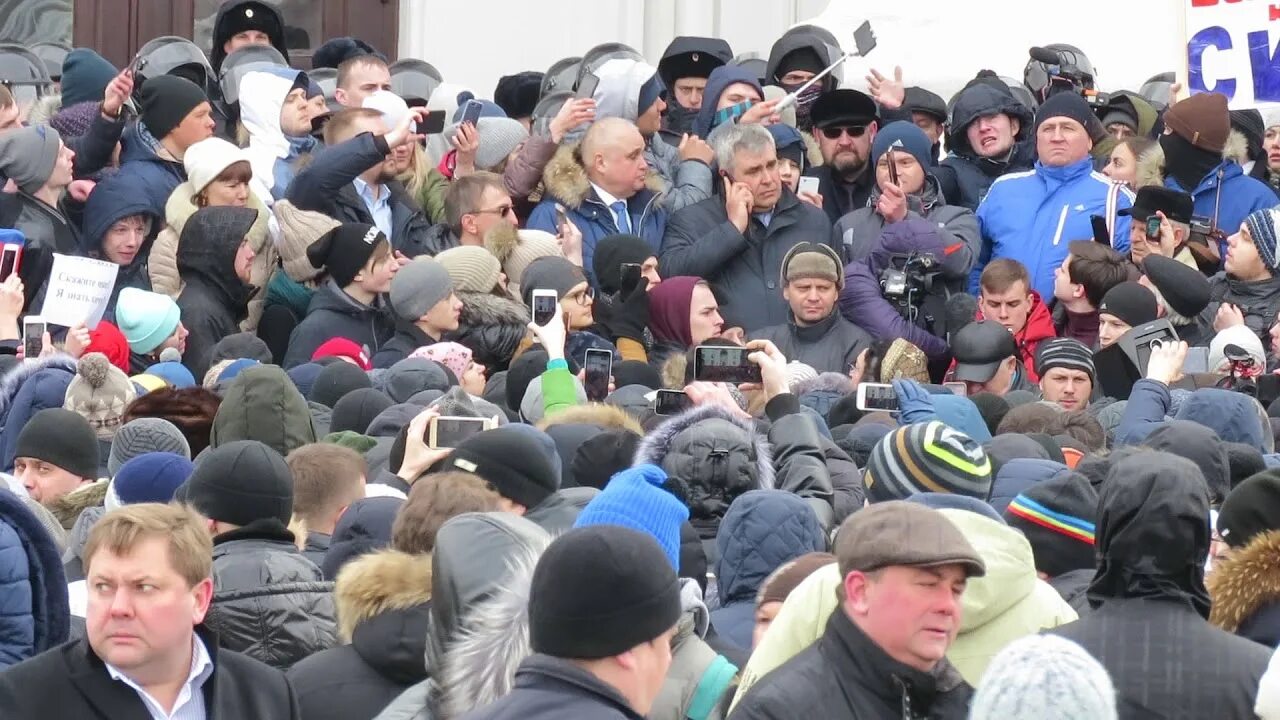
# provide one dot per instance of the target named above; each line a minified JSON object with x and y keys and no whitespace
{"x":964,"y":175}
{"x":269,"y":602}
{"x":47,"y":231}
{"x":333,"y":313}
{"x":491,"y":327}
{"x":1258,"y":301}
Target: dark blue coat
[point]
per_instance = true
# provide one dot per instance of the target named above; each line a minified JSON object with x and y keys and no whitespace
{"x":34,"y":615}
{"x":27,"y":390}
{"x":112,"y":200}
{"x":1019,"y":475}
{"x":151,"y":178}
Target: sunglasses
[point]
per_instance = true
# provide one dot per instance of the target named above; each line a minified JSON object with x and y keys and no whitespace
{"x":834,"y":133}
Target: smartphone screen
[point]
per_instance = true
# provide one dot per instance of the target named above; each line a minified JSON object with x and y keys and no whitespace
{"x":893,"y":166}
{"x":724,"y":364}
{"x":471,"y":112}
{"x":1100,"y":232}
{"x":449,"y":432}
{"x":596,"y":371}
{"x":544,"y":306}
{"x":877,"y":397}
{"x":32,"y":338}
{"x":9,"y":259}
{"x":587,"y":86}
{"x":671,"y":402}
{"x":1153,"y":227}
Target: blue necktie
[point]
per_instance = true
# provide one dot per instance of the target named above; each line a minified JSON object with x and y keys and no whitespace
{"x":620,"y":214}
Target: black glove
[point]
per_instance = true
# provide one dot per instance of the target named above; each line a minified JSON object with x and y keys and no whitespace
{"x":629,"y":315}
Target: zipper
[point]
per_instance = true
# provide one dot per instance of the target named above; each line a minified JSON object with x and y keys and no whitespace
{"x":1062,"y":221}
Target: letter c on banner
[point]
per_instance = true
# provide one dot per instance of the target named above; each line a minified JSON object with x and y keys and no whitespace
{"x":1211,"y":37}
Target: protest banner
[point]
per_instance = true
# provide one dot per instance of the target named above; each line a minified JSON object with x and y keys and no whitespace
{"x":1230,"y":50}
{"x":79,"y":290}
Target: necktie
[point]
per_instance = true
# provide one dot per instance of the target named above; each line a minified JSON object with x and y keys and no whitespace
{"x":620,"y":215}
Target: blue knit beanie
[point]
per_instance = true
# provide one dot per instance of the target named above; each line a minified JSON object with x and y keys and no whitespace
{"x":173,"y":373}
{"x":904,"y":137}
{"x":649,"y":93}
{"x":634,"y":498}
{"x":1262,"y":228}
{"x":85,"y":76}
{"x":147,"y":319}
{"x":150,"y":477}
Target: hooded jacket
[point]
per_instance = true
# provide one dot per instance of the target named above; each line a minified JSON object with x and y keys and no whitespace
{"x":857,"y":232}
{"x":383,"y":602}
{"x":25,"y":391}
{"x":830,"y":345}
{"x":33,"y":590}
{"x":492,"y":327}
{"x":269,"y":602}
{"x":262,"y":404}
{"x":966,"y":176}
{"x":1258,"y":302}
{"x":214,"y":300}
{"x":1039,"y":328}
{"x":1148,"y":626}
{"x":1245,"y":589}
{"x":332,"y":314}
{"x":272,"y":154}
{"x":1019,"y":474}
{"x":147,"y":168}
{"x":1231,"y":415}
{"x":744,"y":269}
{"x":221,"y":33}
{"x":110,"y":202}
{"x":763,"y":530}
{"x":720,"y":78}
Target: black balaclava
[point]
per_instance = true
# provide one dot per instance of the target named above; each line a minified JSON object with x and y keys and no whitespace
{"x":1185,"y":162}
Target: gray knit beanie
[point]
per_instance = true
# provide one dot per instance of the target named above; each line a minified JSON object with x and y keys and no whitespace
{"x":28,"y":155}
{"x":145,"y":435}
{"x":417,"y":287}
{"x":1046,"y":677}
{"x":499,"y":137}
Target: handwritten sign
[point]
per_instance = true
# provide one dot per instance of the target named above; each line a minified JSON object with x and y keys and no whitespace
{"x":1232,"y":49}
{"x":79,"y":290}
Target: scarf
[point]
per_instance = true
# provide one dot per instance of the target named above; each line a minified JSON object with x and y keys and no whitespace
{"x":679,"y":119}
{"x":804,"y":103}
{"x":1186,"y":163}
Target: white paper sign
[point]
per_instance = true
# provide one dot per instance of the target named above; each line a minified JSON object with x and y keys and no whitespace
{"x":1231,"y":49}
{"x":79,"y":290}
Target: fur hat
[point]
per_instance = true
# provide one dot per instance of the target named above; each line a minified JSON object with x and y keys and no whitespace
{"x":190,"y":409}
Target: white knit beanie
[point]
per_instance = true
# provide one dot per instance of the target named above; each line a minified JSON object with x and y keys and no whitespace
{"x":1045,"y":677}
{"x":205,"y":161}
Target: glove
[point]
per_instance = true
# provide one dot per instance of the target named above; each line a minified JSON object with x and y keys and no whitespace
{"x":630,"y":313}
{"x":915,"y":404}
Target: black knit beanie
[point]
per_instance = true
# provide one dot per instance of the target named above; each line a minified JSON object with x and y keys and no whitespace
{"x":345,"y":250}
{"x":511,"y":461}
{"x":357,"y":409}
{"x":599,"y":458}
{"x":1244,"y":460}
{"x":992,"y":407}
{"x":335,"y":381}
{"x":61,"y":438}
{"x":1251,"y":509}
{"x":166,"y":101}
{"x":240,"y":482}
{"x":611,"y":252}
{"x":523,"y":370}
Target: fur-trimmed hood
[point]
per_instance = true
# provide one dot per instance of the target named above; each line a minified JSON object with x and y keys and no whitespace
{"x":606,"y":417}
{"x":826,"y":382}
{"x":376,"y":583}
{"x":566,"y":179}
{"x":1245,"y":583}
{"x":69,"y":507}
{"x":43,"y":109}
{"x":1151,"y":164}
{"x":15,"y":378}
{"x":488,"y":309}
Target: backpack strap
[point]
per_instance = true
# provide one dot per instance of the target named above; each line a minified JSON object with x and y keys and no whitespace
{"x":711,"y":688}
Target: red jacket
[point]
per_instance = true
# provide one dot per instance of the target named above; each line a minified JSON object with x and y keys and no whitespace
{"x":1039,"y":327}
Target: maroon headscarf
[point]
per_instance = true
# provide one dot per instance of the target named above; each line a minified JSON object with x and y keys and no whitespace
{"x":669,"y":304}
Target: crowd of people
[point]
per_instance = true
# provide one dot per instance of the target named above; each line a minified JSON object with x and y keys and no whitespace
{"x":398,"y":405}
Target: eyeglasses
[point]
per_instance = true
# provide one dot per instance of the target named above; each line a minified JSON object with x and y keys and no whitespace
{"x":502,"y":210}
{"x":834,"y":133}
{"x":584,"y":298}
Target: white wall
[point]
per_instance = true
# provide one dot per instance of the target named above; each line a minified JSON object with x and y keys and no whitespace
{"x":941,"y":43}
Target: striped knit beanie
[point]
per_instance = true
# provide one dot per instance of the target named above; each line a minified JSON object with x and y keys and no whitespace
{"x":1263,"y":228}
{"x":927,"y":457}
{"x":1057,"y":516}
{"x":1066,"y":353}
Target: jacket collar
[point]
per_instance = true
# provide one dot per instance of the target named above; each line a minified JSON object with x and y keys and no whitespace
{"x":816,"y":332}
{"x":1055,"y":177}
{"x":89,"y":674}
{"x":539,"y":669}
{"x":872,"y":668}
{"x":269,"y":529}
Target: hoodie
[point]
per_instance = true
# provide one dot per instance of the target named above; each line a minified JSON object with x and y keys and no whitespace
{"x":720,"y":78}
{"x":333,"y":313}
{"x":111,"y":201}
{"x":147,"y":168}
{"x":214,"y":299}
{"x":262,"y":404}
{"x":965,"y":175}
{"x":271,"y":153}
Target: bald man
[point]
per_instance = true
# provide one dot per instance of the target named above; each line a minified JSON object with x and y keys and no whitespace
{"x":603,"y":192}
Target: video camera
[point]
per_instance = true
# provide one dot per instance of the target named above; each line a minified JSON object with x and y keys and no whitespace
{"x":1055,"y":69}
{"x":907,"y":281}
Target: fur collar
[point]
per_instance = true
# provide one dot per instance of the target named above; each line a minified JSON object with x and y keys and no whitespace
{"x":13,"y":381}
{"x":1246,"y":582}
{"x":605,"y":416}
{"x":379,"y":582}
{"x":657,"y":444}
{"x":566,"y":179}
{"x":487,"y":309}
{"x":1151,"y":164}
{"x":68,"y":507}
{"x":826,"y":382}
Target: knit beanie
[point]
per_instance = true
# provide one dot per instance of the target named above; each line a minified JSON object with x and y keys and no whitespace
{"x":61,"y":438}
{"x":903,"y":136}
{"x":174,"y":374}
{"x":1202,"y":120}
{"x":335,"y":381}
{"x":411,"y":376}
{"x":28,"y":155}
{"x":419,"y":286}
{"x":1262,"y":226}
{"x":1251,"y":509}
{"x":299,"y":230}
{"x":498,"y":138}
{"x":600,"y":591}
{"x":1242,"y":338}
{"x":206,"y":160}
{"x":147,"y":319}
{"x":601,"y":457}
{"x":1244,"y":462}
{"x":74,"y":121}
{"x":357,"y":409}
{"x":1046,"y":677}
{"x":227,"y":370}
{"x":149,"y":477}
{"x":509,"y":460}
{"x":345,"y":250}
{"x":926,"y":457}
{"x":145,"y":435}
{"x":99,"y":392}
{"x":1067,"y":353}
{"x":614,"y":250}
{"x":343,"y":348}
{"x":517,"y":94}
{"x":240,"y":345}
{"x":165,"y":101}
{"x":336,"y":51}
{"x":240,"y":482}
{"x":808,"y":260}
{"x":634,"y":498}
{"x":1074,"y":107}
{"x":550,"y":273}
{"x":455,"y":356}
{"x":529,"y":245}
{"x":1057,"y":516}
{"x":85,"y":76}
{"x":1132,"y":303}
{"x":472,"y":269}
{"x":108,"y":340}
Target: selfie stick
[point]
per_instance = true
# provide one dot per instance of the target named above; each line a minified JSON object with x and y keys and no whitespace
{"x":790,"y":98}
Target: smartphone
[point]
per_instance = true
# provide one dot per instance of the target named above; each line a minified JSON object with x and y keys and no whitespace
{"x":1153,"y":227}
{"x":957,"y":388}
{"x":1100,"y":232}
{"x":714,"y":363}
{"x":33,"y":329}
{"x":1145,"y":337}
{"x":1197,"y":361}
{"x":449,"y":431}
{"x":433,"y":123}
{"x":10,"y":260}
{"x":893,"y":166}
{"x":471,"y":112}
{"x":562,"y":218}
{"x":877,"y":397}
{"x":587,"y":86}
{"x":808,"y":184}
{"x":864,"y":39}
{"x":630,"y":276}
{"x":597,"y":369}
{"x":544,"y":306}
{"x":671,"y":402}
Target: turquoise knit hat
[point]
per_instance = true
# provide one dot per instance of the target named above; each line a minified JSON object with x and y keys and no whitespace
{"x":634,"y":499}
{"x":147,"y":319}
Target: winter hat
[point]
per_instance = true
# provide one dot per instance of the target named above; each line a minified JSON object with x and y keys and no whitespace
{"x":1184,"y":289}
{"x":788,"y":576}
{"x":926,"y":457}
{"x":1202,"y":120}
{"x":240,"y":345}
{"x":517,"y":94}
{"x":99,"y":392}
{"x":299,"y":230}
{"x":411,"y":376}
{"x":602,"y":456}
{"x":61,"y":438}
{"x":240,"y":482}
{"x":206,"y":160}
{"x":165,"y":101}
{"x":812,"y":260}
{"x":341,"y":347}
{"x":1074,"y":107}
{"x":1244,"y":462}
{"x":228,"y":370}
{"x":173,"y":374}
{"x":419,"y":286}
{"x":147,"y":319}
{"x":498,"y":138}
{"x":74,"y":121}
{"x":614,"y":250}
{"x":455,"y":356}
{"x":335,"y":381}
{"x":1262,"y":226}
{"x":471,"y":268}
{"x":905,"y":361}
{"x":336,"y":51}
{"x":992,"y":407}
{"x":1251,"y":509}
{"x":191,"y":410}
{"x":108,"y":340}
{"x":614,"y":580}
{"x":1067,"y":353}
{"x":550,"y":273}
{"x":392,"y":106}
{"x":1201,"y":445}
{"x":1132,"y":303}
{"x":345,"y":250}
{"x":636,"y":372}
{"x":635,"y":498}
{"x":28,"y":155}
{"x":357,"y":409}
{"x":1057,"y":516}
{"x":85,"y":76}
{"x":903,"y":136}
{"x":533,"y":405}
{"x":149,"y":477}
{"x":142,"y":436}
{"x":509,"y":460}
{"x":529,"y":246}
{"x":522,"y":371}
{"x":798,"y":372}
{"x":1046,"y":677}
{"x":1243,"y":339}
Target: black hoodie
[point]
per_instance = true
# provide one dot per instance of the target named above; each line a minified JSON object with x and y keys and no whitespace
{"x":964,"y":175}
{"x":214,"y":300}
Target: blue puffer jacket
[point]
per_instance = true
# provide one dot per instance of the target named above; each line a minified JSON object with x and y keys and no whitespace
{"x":762,"y":530}
{"x":1240,"y":196}
{"x":1232,"y":415}
{"x":1032,"y":217}
{"x":142,"y":168}
{"x":27,"y":390}
{"x":34,"y":615}
{"x":1017,"y":476}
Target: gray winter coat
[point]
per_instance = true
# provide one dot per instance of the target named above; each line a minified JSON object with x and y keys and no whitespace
{"x":858,"y":231}
{"x":832,"y":345}
{"x":686,"y":182}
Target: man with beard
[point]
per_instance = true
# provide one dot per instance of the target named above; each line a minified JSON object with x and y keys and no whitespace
{"x":476,"y":206}
{"x":684,"y":68}
{"x":353,"y":179}
{"x":844,"y":123}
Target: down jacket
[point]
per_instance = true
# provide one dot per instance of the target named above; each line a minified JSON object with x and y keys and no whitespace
{"x":269,"y":602}
{"x":491,"y":327}
{"x":1245,"y":589}
{"x":25,"y":391}
{"x":33,"y":592}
